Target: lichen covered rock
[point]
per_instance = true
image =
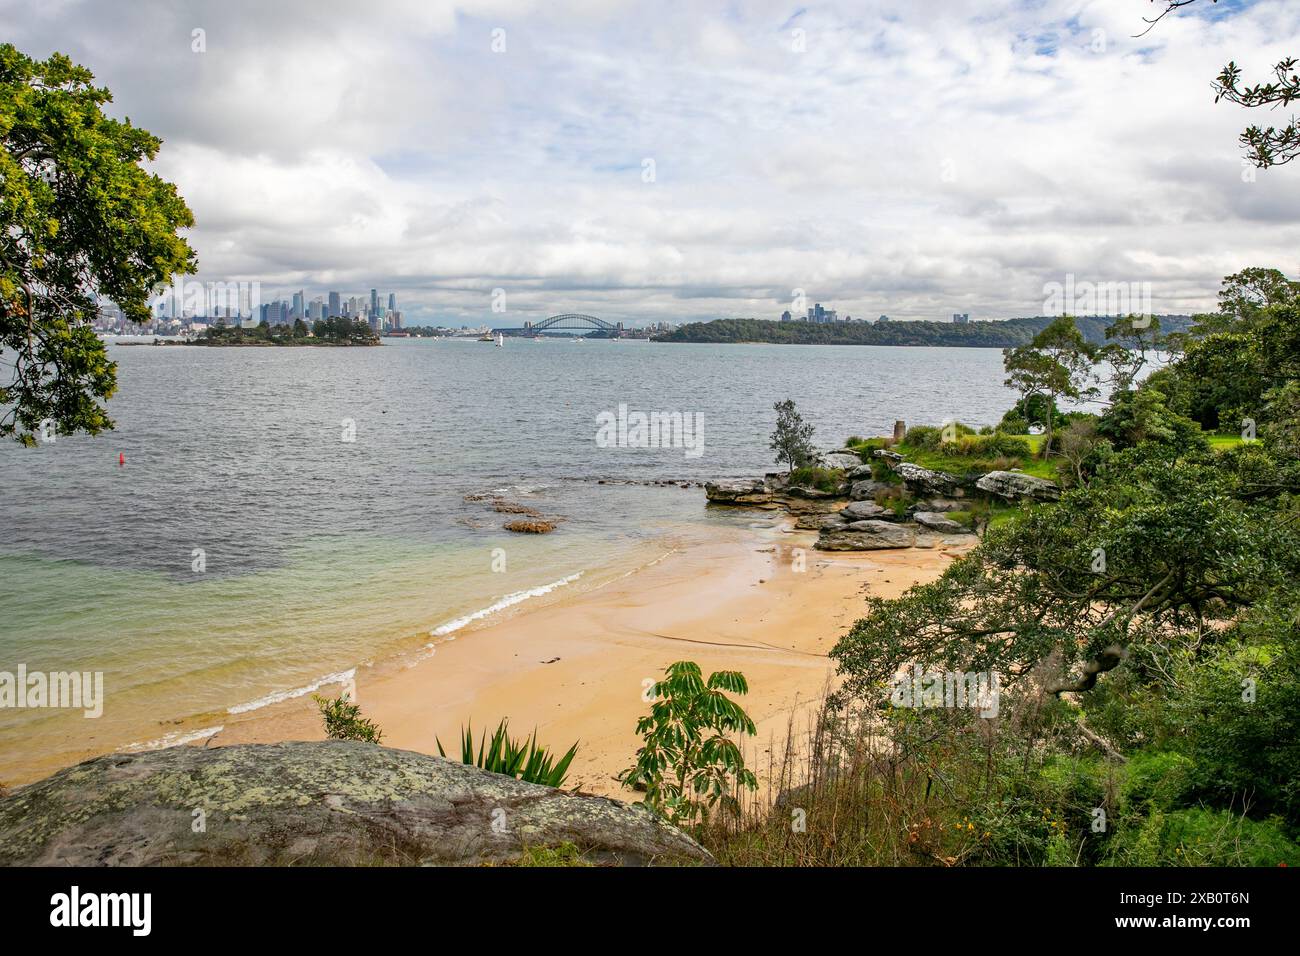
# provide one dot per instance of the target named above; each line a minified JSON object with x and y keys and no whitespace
{"x":325,"y":803}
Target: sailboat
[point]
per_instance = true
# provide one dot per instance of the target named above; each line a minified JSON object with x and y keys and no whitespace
{"x":501,"y":340}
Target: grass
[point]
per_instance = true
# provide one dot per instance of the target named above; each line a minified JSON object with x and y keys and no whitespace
{"x":563,"y":854}
{"x":1224,"y":442}
{"x":961,"y":465}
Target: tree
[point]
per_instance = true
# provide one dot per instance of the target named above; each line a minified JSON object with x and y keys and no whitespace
{"x":1129,"y":347}
{"x":688,"y":753}
{"x":81,"y":222}
{"x":792,"y":437}
{"x":1157,"y":549}
{"x":1055,"y":365}
{"x":1264,"y":147}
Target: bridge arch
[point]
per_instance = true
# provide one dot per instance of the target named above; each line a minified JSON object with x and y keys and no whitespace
{"x":568,"y":320}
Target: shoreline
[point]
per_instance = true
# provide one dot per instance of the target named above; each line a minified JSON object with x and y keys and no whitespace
{"x":575,"y":668}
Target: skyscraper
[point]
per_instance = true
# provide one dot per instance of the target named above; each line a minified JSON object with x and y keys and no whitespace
{"x":374,"y":302}
{"x":392,"y":302}
{"x":334,"y":305}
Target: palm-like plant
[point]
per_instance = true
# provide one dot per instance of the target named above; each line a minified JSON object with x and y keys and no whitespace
{"x":689,"y":763}
{"x":521,"y":759}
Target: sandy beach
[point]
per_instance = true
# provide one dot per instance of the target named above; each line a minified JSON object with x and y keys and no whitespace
{"x":576,"y":668}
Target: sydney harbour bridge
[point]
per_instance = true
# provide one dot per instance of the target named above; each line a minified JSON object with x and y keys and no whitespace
{"x":595,"y":328}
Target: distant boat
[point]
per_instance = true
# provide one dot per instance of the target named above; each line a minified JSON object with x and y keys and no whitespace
{"x":486,"y":337}
{"x":501,"y":340}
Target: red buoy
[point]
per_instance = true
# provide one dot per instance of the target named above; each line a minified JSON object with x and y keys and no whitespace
{"x":121,"y":459}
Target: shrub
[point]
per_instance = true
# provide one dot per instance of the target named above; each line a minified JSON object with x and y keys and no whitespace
{"x":1201,"y":837}
{"x":823,"y":479}
{"x":688,"y":764}
{"x":523,"y":760}
{"x":343,"y":720}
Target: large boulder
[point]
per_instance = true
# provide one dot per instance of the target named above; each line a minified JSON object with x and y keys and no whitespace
{"x":862,"y":510}
{"x":333,"y":803}
{"x":866,"y":536}
{"x":937,"y":522}
{"x":867,"y":488}
{"x":843,"y":458}
{"x":813,"y":521}
{"x":923,"y":481}
{"x":739,"y":491}
{"x":1016,"y":485}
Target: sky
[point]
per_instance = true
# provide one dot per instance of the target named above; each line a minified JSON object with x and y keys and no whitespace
{"x":696,"y":160}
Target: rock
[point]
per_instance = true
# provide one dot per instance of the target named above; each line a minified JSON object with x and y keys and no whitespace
{"x":844,"y":459}
{"x":887,"y":455}
{"x":816,"y":494}
{"x":1014,"y":485}
{"x":816,"y":522}
{"x":743,"y":491}
{"x":809,"y":506}
{"x":866,"y":536}
{"x":530,"y":526}
{"x":937,"y":522}
{"x":332,"y":803}
{"x":859,"y":473}
{"x":859,"y":510}
{"x":863,"y":490}
{"x":941,"y":504}
{"x":925,"y":481}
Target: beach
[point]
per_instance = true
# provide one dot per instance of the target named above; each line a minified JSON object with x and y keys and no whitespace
{"x":576,"y":669}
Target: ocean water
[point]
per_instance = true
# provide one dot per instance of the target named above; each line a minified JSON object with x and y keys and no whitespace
{"x":320,"y":554}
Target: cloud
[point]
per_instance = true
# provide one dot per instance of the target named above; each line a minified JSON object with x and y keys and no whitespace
{"x":914,"y":159}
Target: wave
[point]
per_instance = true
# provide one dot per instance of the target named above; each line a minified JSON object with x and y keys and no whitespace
{"x":175,"y":739}
{"x":508,"y":601}
{"x":342,"y":677}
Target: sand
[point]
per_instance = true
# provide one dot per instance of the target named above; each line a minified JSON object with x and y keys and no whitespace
{"x":576,"y":668}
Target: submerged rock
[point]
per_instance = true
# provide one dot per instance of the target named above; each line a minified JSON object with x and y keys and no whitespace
{"x":332,"y":803}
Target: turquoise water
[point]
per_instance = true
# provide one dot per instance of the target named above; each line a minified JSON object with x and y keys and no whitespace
{"x":322,"y":554}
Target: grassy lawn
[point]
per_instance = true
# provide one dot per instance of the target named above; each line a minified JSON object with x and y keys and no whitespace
{"x":958,"y":465}
{"x":1224,"y":442}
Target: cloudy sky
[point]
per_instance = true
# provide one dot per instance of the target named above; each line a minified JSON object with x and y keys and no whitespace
{"x":698,"y":160}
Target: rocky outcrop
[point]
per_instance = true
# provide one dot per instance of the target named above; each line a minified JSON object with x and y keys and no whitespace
{"x":866,"y":488}
{"x":334,"y":803}
{"x":740,"y":491}
{"x":864,"y":510}
{"x":937,"y":522}
{"x":867,"y":535}
{"x":1016,"y":485}
{"x":923,"y":481}
{"x":845,"y":459}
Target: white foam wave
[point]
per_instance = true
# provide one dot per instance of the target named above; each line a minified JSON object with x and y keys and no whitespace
{"x":508,"y":601}
{"x":342,"y":677}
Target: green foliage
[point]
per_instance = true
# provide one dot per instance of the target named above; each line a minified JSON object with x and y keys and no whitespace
{"x":521,"y":759}
{"x":792,"y":437}
{"x":81,"y":221}
{"x":560,"y":855}
{"x":999,"y":334}
{"x":688,"y":764}
{"x":1182,"y":550}
{"x":823,"y":479}
{"x":1055,"y":365}
{"x":1144,"y":417}
{"x":343,"y":720}
{"x":1203,"y":837}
